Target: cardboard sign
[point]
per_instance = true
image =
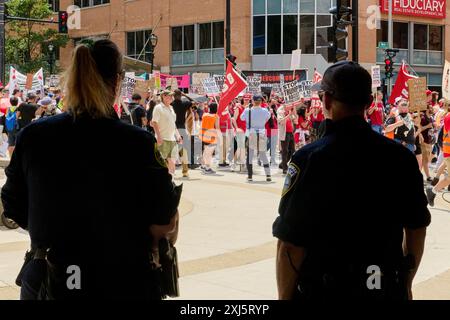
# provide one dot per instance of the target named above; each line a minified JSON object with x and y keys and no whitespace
{"x":296,"y":59}
{"x":142,"y":87}
{"x":291,"y":92}
{"x":210,"y":87}
{"x":417,"y":94}
{"x":446,"y":81}
{"x":197,"y":83}
{"x":276,"y":90}
{"x":171,"y":84}
{"x":254,"y":84}
{"x":376,"y":77}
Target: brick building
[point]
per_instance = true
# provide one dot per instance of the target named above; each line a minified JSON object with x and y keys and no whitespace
{"x":263,"y":33}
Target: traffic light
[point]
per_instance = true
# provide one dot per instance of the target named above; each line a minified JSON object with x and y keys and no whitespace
{"x":389,"y":67}
{"x":232,"y":59}
{"x":62,"y":22}
{"x":337,"y":34}
{"x":389,"y":62}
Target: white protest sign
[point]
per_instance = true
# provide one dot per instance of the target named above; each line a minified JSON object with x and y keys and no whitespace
{"x":254,"y":84}
{"x":305,"y":88}
{"x":197,"y":83}
{"x":376,"y":77}
{"x":210,"y":86}
{"x":276,"y":90}
{"x":128,"y":85}
{"x":18,"y":80}
{"x":291,"y":92}
{"x":220,"y":81}
{"x":446,"y":81}
{"x":296,"y":59}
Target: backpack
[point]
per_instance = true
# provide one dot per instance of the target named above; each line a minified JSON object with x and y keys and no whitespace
{"x":11,"y":121}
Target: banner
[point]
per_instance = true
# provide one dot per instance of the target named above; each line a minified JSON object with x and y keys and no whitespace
{"x":269,"y":78}
{"x":183,"y":81}
{"x":128,"y":85}
{"x":435,"y":9}
{"x":291,"y":92}
{"x":254,"y":84}
{"x":376,"y":77}
{"x":276,"y":90}
{"x":157,"y":76}
{"x":210,"y":87}
{"x":234,"y":85}
{"x":446,"y":81}
{"x":401,"y":85}
{"x":417,"y":94}
{"x":18,"y":80}
{"x":53,"y":81}
{"x":197,"y":83}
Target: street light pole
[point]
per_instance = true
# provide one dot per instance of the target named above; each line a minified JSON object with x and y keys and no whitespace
{"x":390,"y":40}
{"x":50,"y":60}
{"x":153,"y":44}
{"x":228,"y":27}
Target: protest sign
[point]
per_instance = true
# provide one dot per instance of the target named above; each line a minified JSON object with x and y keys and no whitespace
{"x":197,"y":83}
{"x":254,"y":84}
{"x":182,"y":81}
{"x":18,"y":80}
{"x":171,"y":83}
{"x":210,"y":87}
{"x":376,"y":77}
{"x":291,"y":92}
{"x":305,"y":88}
{"x":276,"y":90}
{"x":142,"y":87}
{"x":128,"y":85}
{"x":296,"y":59}
{"x":220,"y":80}
{"x":417,"y":94}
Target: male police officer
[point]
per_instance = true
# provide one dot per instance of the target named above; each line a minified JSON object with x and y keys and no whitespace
{"x":339,"y":238}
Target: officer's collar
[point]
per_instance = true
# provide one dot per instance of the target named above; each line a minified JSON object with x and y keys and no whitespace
{"x":350,"y":123}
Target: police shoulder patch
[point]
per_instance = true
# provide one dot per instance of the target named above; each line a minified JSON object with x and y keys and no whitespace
{"x":292,"y":175}
{"x":159,"y":157}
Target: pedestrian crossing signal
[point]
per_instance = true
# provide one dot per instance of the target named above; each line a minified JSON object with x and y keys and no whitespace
{"x":62,"y":22}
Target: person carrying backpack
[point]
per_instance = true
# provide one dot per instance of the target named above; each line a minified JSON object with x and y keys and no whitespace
{"x":11,"y":124}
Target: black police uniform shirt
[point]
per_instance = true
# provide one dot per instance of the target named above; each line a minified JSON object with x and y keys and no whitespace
{"x":90,"y":190}
{"x":348,"y":197}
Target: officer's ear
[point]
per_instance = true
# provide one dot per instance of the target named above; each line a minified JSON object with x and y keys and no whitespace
{"x":327,"y":102}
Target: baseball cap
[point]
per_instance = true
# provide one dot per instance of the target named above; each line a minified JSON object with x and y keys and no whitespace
{"x":257,"y":97}
{"x":429,"y":92}
{"x":31,"y":95}
{"x":45,"y":102}
{"x":166,"y":93}
{"x":347,"y":82}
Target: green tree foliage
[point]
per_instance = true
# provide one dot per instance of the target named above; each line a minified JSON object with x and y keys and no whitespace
{"x":27,"y":41}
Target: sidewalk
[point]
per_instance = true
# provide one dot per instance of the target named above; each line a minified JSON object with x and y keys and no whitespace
{"x":226,"y":249}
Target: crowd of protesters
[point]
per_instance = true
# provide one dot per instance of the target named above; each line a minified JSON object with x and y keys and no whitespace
{"x":263,"y":130}
{"x":18,"y":109}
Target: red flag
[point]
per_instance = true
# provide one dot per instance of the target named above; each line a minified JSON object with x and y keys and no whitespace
{"x":401,"y":85}
{"x":317,"y":77}
{"x":233,"y":86}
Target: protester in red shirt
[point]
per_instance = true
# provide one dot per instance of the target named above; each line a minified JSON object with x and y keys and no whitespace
{"x":240,"y":127}
{"x":272,"y":131}
{"x":375,"y":113}
{"x":227,"y":136}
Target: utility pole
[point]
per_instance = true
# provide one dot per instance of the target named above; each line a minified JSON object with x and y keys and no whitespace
{"x":390,"y":40}
{"x":355,"y":31}
{"x":227,"y":31}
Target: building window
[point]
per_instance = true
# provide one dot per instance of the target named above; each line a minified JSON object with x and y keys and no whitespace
{"x":183,"y":43}
{"x":400,"y":40}
{"x":136,"y":41}
{"x":89,"y":3}
{"x":198,"y":44}
{"x":428,"y":44}
{"x":211,"y":43}
{"x":281,"y":26}
{"x":54,"y":5}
